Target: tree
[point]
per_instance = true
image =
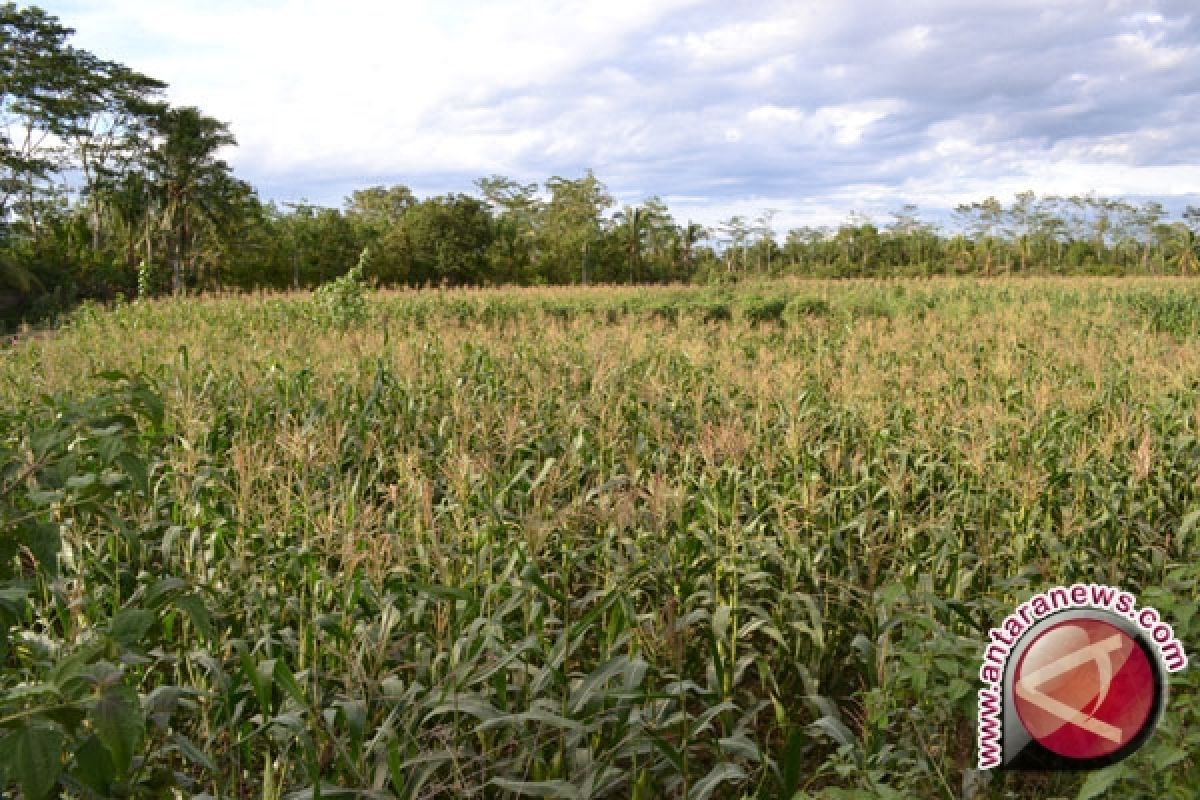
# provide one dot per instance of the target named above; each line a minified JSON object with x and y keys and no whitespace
{"x":689,"y":236}
{"x":517,"y":213}
{"x":377,"y":216}
{"x":1138,"y":228}
{"x":318,"y":244}
{"x":112,"y":133}
{"x":904,"y":229}
{"x":193,"y":185}
{"x":1191,"y":218}
{"x":632,"y":227}
{"x":1021,"y":222}
{"x":449,"y":237}
{"x":735,"y":235}
{"x":380,"y":206}
{"x":984,"y":221}
{"x":1185,"y":249}
{"x":766,"y":236}
{"x":38,"y":75}
{"x":570,"y":224}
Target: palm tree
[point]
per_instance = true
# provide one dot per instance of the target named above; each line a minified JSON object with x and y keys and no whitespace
{"x":16,"y":277}
{"x":689,"y":235}
{"x":129,"y":203}
{"x":1185,"y":248}
{"x":191,"y":182}
{"x":959,"y":251}
{"x":634,"y":220}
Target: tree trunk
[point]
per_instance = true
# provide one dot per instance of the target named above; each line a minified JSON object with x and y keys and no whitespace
{"x":95,"y":227}
{"x":180,"y":254}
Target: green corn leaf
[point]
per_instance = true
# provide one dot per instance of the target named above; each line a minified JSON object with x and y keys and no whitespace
{"x":722,"y":773}
{"x":559,"y":789}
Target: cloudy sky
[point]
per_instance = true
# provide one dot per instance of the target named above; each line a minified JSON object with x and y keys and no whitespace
{"x":811,"y":108}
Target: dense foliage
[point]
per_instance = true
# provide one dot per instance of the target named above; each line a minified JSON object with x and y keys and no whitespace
{"x":580,"y":543}
{"x":105,"y":190}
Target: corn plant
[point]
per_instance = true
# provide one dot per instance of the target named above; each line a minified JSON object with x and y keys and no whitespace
{"x":588,"y":543}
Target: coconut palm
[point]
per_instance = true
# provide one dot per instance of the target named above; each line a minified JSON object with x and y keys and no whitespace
{"x":1185,"y":250}
{"x":633,"y":219}
{"x":191,"y":182}
{"x":689,"y":236}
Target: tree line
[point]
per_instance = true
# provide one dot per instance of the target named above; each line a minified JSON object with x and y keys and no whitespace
{"x":107,"y":190}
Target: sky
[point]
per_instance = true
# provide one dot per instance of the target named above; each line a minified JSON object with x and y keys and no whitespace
{"x":811,"y":109}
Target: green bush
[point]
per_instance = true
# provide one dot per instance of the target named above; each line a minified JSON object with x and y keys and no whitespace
{"x":79,"y":711}
{"x":667,"y":312}
{"x":716,"y":311}
{"x":759,"y":311}
{"x":342,"y":302}
{"x":809,"y":307}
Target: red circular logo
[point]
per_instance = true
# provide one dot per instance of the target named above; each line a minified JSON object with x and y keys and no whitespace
{"x":1084,"y":688}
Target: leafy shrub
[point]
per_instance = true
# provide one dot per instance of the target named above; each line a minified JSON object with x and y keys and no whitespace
{"x":758,"y":312}
{"x":668,"y":312}
{"x":717,"y":311}
{"x":342,"y":302}
{"x":809,"y":307}
{"x":72,"y":714}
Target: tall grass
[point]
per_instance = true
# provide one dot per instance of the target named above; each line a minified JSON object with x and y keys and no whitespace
{"x":621,"y":543}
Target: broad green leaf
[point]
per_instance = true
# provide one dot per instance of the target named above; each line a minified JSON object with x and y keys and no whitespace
{"x":1167,"y":757}
{"x":1098,"y":783}
{"x":161,"y":704}
{"x":37,"y":759}
{"x":193,"y":605}
{"x":355,"y":714}
{"x":119,"y":724}
{"x":130,"y":625}
{"x":44,"y":542}
{"x":150,"y":403}
{"x":135,"y":468}
{"x":162,"y":589}
{"x":94,"y":766}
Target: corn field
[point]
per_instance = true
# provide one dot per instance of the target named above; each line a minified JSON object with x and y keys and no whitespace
{"x":590,"y":543}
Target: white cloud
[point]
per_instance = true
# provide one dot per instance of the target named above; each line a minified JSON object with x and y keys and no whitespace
{"x":815,"y":109}
{"x":1150,"y":50}
{"x":847,"y":124}
{"x":772,"y":114}
{"x":843,"y":125}
{"x":735,"y":44}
